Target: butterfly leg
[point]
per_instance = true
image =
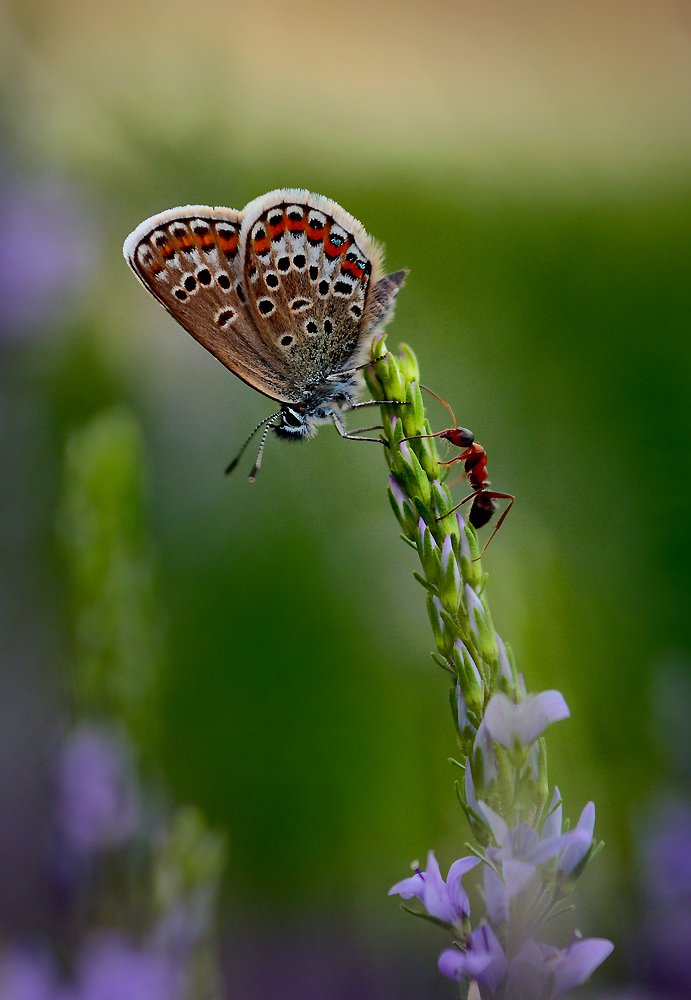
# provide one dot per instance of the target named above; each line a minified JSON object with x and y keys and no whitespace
{"x":337,"y":376}
{"x":379,"y":402}
{"x":343,"y":431}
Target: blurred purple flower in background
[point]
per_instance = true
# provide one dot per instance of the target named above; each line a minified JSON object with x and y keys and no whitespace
{"x":97,"y":804}
{"x":46,"y":218}
{"x":110,"y":967}
{"x":663,"y":956}
{"x":27,"y":975}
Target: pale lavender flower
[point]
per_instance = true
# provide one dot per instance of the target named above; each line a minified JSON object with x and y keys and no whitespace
{"x":578,"y":841}
{"x":510,"y":723}
{"x":521,"y":850}
{"x":475,"y":610}
{"x":483,"y":959}
{"x":463,"y":546}
{"x":537,"y":971}
{"x":398,"y":494}
{"x":447,"y":901}
{"x":505,"y":670}
{"x":97,"y":795}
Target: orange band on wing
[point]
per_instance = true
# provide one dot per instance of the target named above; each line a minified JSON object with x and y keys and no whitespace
{"x":228,"y":244}
{"x":351,"y":267}
{"x":335,"y":251}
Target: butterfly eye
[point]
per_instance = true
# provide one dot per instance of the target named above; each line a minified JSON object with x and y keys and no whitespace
{"x":292,"y":418}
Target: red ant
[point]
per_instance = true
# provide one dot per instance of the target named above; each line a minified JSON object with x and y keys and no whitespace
{"x":474,"y":457}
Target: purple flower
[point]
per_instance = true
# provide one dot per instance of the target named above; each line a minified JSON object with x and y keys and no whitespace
{"x":667,"y":854}
{"x":463,"y":546}
{"x":505,"y":669}
{"x":397,"y":493}
{"x":447,"y":901}
{"x":578,"y":841}
{"x":556,"y":971}
{"x":537,"y":970}
{"x":514,"y":861}
{"x":97,"y":800}
{"x":475,"y":610}
{"x":663,"y":957}
{"x":25,"y":975}
{"x":112,"y":968}
{"x":37,"y":287}
{"x":482,"y":960}
{"x":510,"y":723}
{"x":483,"y":752}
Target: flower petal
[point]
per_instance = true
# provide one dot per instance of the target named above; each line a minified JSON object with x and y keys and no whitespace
{"x":509,"y":723}
{"x":575,"y":964}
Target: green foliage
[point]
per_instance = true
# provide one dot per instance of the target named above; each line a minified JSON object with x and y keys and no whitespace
{"x":118,"y":632}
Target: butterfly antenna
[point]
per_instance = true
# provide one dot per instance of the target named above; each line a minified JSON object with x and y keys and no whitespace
{"x":253,"y":474}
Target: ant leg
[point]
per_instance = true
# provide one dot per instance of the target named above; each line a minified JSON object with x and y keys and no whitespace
{"x":492,"y":496}
{"x":459,"y":458}
{"x":497,"y":496}
{"x":471,"y":496}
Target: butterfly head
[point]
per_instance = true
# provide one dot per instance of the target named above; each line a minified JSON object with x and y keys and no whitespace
{"x":294,"y":425}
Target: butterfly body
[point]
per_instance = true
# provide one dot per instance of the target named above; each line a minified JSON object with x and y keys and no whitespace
{"x":285,"y":293}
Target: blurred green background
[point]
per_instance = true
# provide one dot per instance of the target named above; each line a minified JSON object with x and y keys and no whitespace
{"x":530,"y":164}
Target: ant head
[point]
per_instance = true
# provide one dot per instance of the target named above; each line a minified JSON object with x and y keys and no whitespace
{"x":459,"y":436}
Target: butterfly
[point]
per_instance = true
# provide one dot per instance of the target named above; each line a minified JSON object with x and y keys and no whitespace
{"x":286,"y":293}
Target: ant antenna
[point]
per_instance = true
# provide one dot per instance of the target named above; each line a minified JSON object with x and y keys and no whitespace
{"x":443,"y":403}
{"x":255,"y":468}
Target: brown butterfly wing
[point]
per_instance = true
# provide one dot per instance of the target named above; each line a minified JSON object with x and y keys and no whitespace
{"x":308,"y":266}
{"x":190,"y":260}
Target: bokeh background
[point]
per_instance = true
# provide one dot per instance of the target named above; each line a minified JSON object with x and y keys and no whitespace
{"x":529,"y":162}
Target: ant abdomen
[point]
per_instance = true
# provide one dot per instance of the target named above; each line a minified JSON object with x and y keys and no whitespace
{"x":482,"y":510}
